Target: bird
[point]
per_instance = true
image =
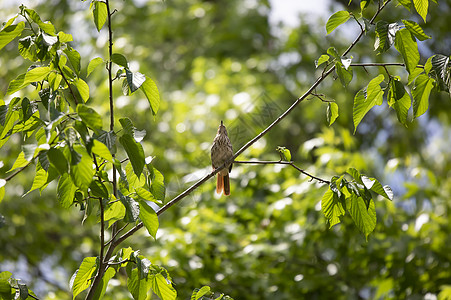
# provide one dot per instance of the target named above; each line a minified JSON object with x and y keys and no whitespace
{"x":221,"y":152}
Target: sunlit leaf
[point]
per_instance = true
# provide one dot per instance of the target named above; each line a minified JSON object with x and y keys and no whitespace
{"x":134,"y":151}
{"x":336,"y":20}
{"x":9,"y":33}
{"x":420,"y":92}
{"x":149,"y":218}
{"x":100,"y":14}
{"x":332,"y":112}
{"x":332,"y":207}
{"x":416,"y":30}
{"x":82,"y":88}
{"x":83,"y":276}
{"x":322,"y":59}
{"x":89,"y":116}
{"x":150,"y":89}
{"x":66,"y":191}
{"x":364,"y":218}
{"x":94,"y":63}
{"x":421,"y":7}
{"x":367,"y":99}
{"x":399,"y":100}
{"x":407,"y":46}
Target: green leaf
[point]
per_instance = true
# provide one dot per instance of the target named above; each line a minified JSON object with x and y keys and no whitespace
{"x":345,"y":75}
{"x":100,"y":291}
{"x":149,"y":218}
{"x":37,"y":74}
{"x":82,"y":169}
{"x":150,"y":89}
{"x":66,"y":191}
{"x":47,"y":27}
{"x":134,"y":80}
{"x":127,"y":126}
{"x":6,"y":290}
{"x":119,"y":59}
{"x":9,"y":33}
{"x":132,"y":210}
{"x":399,"y":100}
{"x":322,"y":59}
{"x":20,"y":162}
{"x":74,"y":58}
{"x":421,"y":7}
{"x":114,"y":212}
{"x":82,"y":277}
{"x":109,"y":139}
{"x":420,"y":92}
{"x":198,"y":293}
{"x":40,"y":178}
{"x":64,"y":37}
{"x":440,"y":69}
{"x":332,"y":207}
{"x":366,"y":99}
{"x":17,"y":84}
{"x":333,"y":52}
{"x":82,"y":88}
{"x":134,"y":151}
{"x":364,"y":217}
{"x":416,"y":30}
{"x":407,"y":46}
{"x":94,"y":63}
{"x":336,"y":20}
{"x":384,"y":36}
{"x":58,"y":160}
{"x":406,"y":3}
{"x":145,"y":194}
{"x":136,"y":286}
{"x":100,"y":14}
{"x":90,"y":117}
{"x":157,"y":183}
{"x":162,"y":287}
{"x":98,"y":189}
{"x":100,"y":149}
{"x":332,"y":112}
{"x":374,"y":185}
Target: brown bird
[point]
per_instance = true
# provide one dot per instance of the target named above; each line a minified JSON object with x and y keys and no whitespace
{"x":222,"y":151}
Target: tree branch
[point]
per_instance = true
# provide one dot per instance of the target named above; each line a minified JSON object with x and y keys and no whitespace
{"x":103,"y":267}
{"x":280,"y":162}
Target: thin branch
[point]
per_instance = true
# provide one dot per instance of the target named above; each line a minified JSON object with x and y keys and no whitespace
{"x":280,"y":162}
{"x":362,"y":31}
{"x":377,"y":64}
{"x":117,"y":231}
{"x":68,"y":85}
{"x":102,"y":268}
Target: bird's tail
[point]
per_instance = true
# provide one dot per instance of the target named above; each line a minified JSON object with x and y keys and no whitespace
{"x":223,"y":184}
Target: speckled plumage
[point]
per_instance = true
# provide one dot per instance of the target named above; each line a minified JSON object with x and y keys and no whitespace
{"x":221,"y":151}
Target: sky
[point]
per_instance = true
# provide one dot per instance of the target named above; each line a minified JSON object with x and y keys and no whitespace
{"x":287,"y":11}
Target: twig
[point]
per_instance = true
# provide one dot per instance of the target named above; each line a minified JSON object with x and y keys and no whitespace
{"x":68,"y":85}
{"x":280,"y":162}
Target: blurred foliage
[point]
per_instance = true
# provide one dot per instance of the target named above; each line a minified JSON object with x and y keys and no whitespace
{"x":216,"y":60}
